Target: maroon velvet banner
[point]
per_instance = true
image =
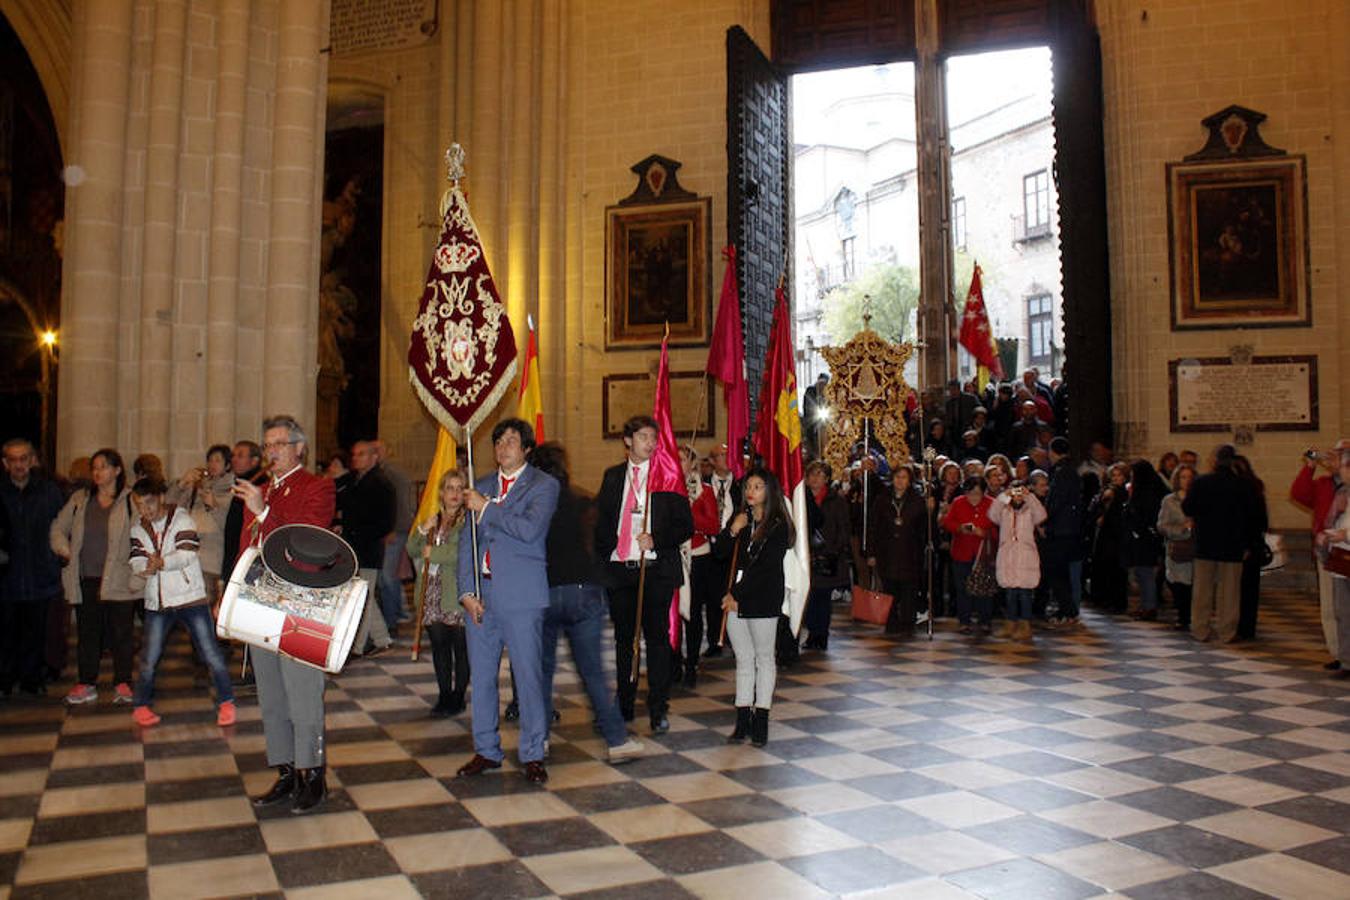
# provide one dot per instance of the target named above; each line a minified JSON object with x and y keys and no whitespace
{"x":462,"y":354}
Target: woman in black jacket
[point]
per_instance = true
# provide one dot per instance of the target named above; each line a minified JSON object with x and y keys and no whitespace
{"x":755,"y":600}
{"x":1106,"y":516}
{"x":897,"y":533}
{"x":1141,"y":546}
{"x":827,"y":514}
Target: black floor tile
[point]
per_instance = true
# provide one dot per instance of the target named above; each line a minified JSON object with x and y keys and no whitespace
{"x":1191,"y":847}
{"x":554,"y":836}
{"x":488,"y":882}
{"x":213,"y":843}
{"x":691,"y":853}
{"x":856,"y":869}
{"x":332,"y":864}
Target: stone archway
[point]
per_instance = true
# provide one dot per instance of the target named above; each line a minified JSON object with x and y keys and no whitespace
{"x":32,"y":204}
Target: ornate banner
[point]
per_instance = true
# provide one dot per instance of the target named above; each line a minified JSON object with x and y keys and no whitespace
{"x":462,"y":353}
{"x":868,"y":383}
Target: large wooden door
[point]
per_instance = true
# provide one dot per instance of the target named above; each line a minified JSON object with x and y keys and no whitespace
{"x":758,"y":180}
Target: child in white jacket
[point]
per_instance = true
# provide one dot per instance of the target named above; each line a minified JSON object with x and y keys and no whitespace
{"x":1018,"y":568}
{"x":164,"y":546}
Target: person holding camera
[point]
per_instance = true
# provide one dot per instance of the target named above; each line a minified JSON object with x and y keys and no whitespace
{"x":967,"y":521}
{"x":1018,"y":513}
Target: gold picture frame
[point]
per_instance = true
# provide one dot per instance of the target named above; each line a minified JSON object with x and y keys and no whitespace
{"x":658,"y":272}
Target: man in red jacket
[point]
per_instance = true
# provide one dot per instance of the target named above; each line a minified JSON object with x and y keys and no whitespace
{"x":1316,"y":494}
{"x":290,"y":694}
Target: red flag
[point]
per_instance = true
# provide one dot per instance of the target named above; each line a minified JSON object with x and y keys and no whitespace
{"x":666,"y":473}
{"x":726,"y":363}
{"x":778,"y":439}
{"x":976,"y":335}
{"x":462,"y":353}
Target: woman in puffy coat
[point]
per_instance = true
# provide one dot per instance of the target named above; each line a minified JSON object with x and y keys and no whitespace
{"x":1018,"y":568}
{"x":92,"y":536}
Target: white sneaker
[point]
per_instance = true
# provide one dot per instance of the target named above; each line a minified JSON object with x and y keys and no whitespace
{"x":628,"y":751}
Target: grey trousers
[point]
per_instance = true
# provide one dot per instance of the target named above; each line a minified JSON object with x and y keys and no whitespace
{"x":753,"y":641}
{"x":1216,"y":590}
{"x":1340,"y":590}
{"x":1327,"y":602}
{"x":291,"y":697}
{"x":373,"y":626}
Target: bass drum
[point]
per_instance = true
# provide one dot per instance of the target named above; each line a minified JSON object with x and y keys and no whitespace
{"x":314,"y":626}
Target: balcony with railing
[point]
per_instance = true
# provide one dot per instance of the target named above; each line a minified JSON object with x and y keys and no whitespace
{"x":1025,"y":234}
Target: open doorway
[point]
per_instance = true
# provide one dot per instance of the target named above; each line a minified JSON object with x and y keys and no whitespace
{"x":856,"y":137}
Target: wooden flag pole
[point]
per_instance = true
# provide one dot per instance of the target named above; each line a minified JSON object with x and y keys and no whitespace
{"x":421,"y":603}
{"x":642,"y":577}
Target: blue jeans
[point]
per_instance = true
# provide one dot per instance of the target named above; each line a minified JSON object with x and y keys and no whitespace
{"x":201,"y":628}
{"x":1019,"y":603}
{"x":1147,"y":576}
{"x":579,"y":611}
{"x":391,"y":588}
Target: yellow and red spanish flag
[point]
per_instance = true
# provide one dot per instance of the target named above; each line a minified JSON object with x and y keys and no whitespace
{"x":531,"y":405}
{"x":976,"y":335}
{"x":778,"y":439}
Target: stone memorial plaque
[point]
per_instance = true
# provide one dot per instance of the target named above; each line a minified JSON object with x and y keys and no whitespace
{"x":691,"y":406}
{"x":1269,"y":393}
{"x":364,"y":25}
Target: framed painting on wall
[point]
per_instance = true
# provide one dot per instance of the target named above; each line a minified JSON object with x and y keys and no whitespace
{"x":1238,"y":232}
{"x":657,"y":272}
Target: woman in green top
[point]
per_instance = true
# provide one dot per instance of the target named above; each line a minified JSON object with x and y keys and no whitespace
{"x":436,"y":544}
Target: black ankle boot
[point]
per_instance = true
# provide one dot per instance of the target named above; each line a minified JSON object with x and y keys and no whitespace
{"x":282,"y":789}
{"x":759,"y":727}
{"x":742,"y":730}
{"x":312,"y":790}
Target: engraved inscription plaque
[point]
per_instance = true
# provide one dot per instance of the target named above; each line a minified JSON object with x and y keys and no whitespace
{"x":364,"y":25}
{"x":1270,"y":393}
{"x":629,"y":395}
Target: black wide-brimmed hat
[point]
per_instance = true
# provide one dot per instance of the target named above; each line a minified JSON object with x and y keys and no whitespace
{"x":309,"y":556}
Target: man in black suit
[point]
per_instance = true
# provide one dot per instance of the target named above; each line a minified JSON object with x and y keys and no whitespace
{"x":635,"y":522}
{"x":368,"y":510}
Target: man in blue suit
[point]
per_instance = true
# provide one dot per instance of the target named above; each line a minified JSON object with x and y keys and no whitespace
{"x":513,"y":506}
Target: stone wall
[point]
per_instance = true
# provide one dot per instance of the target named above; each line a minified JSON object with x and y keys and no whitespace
{"x":1167,"y":66}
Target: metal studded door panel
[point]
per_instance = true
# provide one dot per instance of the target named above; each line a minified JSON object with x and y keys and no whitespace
{"x":757,"y":191}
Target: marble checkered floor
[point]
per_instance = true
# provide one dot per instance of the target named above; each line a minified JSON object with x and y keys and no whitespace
{"x":1122,"y":760}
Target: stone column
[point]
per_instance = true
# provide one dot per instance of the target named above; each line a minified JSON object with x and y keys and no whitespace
{"x":87,"y":415}
{"x":938,"y":357}
{"x":226,"y":184}
{"x":157,"y":306}
{"x":289,"y":367}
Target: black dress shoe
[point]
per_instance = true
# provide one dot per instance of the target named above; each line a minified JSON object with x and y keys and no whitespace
{"x":691,"y":678}
{"x":660,"y":724}
{"x":477,"y":766}
{"x":512,"y":713}
{"x":1333,"y":666}
{"x":282,"y":789}
{"x":312,"y":790}
{"x":440,"y":711}
{"x":456,"y":705}
{"x":535,"y":773}
{"x":713,"y":652}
